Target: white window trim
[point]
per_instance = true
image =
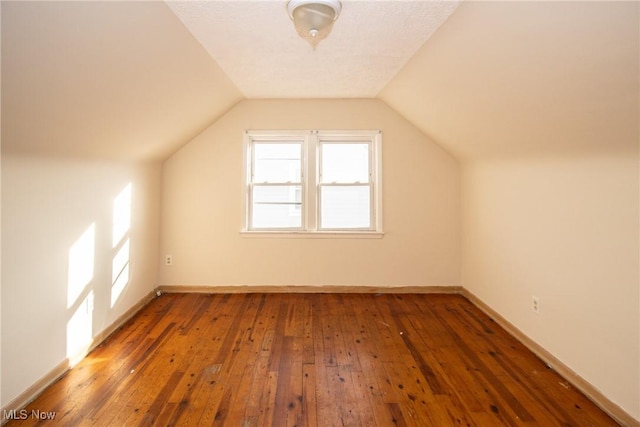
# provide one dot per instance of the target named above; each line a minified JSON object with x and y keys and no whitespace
{"x":310,"y":209}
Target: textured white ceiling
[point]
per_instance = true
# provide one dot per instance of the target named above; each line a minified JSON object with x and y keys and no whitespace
{"x":256,"y":45}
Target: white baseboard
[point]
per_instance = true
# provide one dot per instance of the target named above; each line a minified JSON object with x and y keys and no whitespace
{"x":614,"y":411}
{"x":31,"y":393}
{"x":339,"y":289}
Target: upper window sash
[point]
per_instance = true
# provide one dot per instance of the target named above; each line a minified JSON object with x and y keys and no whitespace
{"x":345,"y":162}
{"x":276,"y":162}
{"x":346,"y":197}
{"x":275,"y":182}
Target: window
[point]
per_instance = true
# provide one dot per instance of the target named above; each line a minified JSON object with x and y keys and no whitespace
{"x":345,"y":186}
{"x":276,"y":185}
{"x":321,"y":182}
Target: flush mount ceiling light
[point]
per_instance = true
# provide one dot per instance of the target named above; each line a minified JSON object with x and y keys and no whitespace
{"x":313,"y":19}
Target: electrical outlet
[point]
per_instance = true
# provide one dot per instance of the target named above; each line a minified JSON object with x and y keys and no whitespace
{"x":535,"y":304}
{"x":168,"y":260}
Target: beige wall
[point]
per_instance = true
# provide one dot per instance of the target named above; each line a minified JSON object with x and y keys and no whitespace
{"x":202,"y":202}
{"x":564,"y":229}
{"x":52,"y":261}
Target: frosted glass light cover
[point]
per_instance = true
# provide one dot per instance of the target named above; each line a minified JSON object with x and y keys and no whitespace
{"x":314,"y":20}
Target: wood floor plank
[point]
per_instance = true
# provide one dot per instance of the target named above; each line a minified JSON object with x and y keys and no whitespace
{"x":256,"y":379}
{"x":309,"y":408}
{"x":313,"y":360}
{"x":288,"y":400}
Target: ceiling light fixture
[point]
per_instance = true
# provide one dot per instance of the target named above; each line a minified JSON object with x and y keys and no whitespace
{"x":313,"y":19}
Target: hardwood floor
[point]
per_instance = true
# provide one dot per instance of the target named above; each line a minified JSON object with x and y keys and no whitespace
{"x":313,"y":360}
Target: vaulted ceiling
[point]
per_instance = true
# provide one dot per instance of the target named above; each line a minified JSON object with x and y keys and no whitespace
{"x":138,"y":80}
{"x":527,"y":79}
{"x":105,"y":79}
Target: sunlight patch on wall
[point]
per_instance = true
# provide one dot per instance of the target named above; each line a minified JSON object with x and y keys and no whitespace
{"x":81,"y":264}
{"x":80,"y":330}
{"x":120,"y":272}
{"x":121,"y":215}
{"x":121,"y":243}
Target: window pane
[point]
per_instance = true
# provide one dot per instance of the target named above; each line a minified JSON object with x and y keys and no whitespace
{"x":345,"y":163}
{"x":277,"y":206}
{"x":345,"y":207}
{"x":277,"y":162}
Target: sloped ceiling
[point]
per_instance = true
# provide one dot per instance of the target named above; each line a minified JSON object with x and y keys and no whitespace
{"x":104,"y":79}
{"x":130,"y":80}
{"x":527,"y":79}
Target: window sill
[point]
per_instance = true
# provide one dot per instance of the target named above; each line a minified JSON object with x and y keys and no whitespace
{"x":280,"y":234}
